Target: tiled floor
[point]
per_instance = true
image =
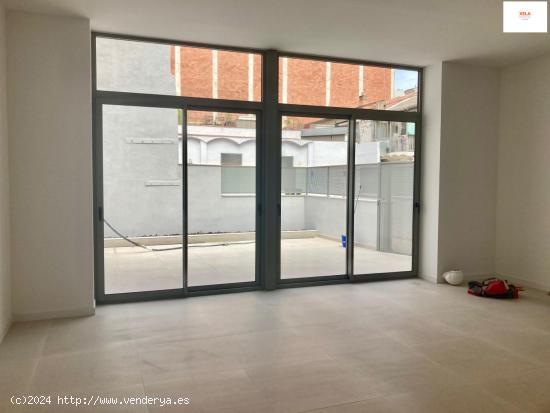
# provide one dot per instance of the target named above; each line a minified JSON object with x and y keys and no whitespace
{"x":399,"y":346}
{"x":130,"y":269}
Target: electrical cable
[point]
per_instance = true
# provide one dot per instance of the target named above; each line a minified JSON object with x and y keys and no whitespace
{"x":145,"y":247}
{"x":357,"y":200}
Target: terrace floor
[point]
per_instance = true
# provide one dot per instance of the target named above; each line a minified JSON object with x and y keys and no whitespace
{"x":129,"y":269}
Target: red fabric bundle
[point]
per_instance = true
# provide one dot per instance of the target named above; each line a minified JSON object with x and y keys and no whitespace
{"x":493,"y":288}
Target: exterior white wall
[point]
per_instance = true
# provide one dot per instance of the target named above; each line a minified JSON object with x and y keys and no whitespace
{"x":367,"y":152}
{"x":247,"y":148}
{"x":293,"y":216}
{"x":212,"y":212}
{"x":194,"y":151}
{"x":209,"y":211}
{"x":202,"y":150}
{"x":366,"y":223}
{"x":297,"y":150}
{"x":523,"y":198}
{"x":49,"y":116}
{"x":467,"y":188}
{"x":141,"y":174}
{"x":134,"y":67}
{"x":327,"y":153}
{"x":5,"y":275}
{"x":328,"y":216}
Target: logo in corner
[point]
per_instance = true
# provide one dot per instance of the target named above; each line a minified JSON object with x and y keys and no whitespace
{"x":524,"y":15}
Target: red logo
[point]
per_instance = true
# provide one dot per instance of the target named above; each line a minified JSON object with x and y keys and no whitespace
{"x":524,"y":15}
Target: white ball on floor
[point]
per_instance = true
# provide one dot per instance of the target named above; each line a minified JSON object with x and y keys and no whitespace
{"x":454,"y":277}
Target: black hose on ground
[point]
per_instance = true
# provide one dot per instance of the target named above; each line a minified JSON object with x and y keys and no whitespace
{"x":145,"y":247}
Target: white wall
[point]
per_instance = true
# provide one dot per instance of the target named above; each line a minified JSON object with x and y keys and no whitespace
{"x":49,"y":117}
{"x":467,"y":187}
{"x":523,"y":219}
{"x":429,"y":186}
{"x":459,"y":163}
{"x":5,"y":276}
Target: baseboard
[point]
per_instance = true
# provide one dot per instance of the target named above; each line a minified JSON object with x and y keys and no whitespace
{"x":514,"y":280}
{"x":5,"y":331}
{"x":46,"y":315}
{"x":469,"y":276}
{"x":428,"y":278}
{"x":526,"y":283}
{"x":477,"y":276}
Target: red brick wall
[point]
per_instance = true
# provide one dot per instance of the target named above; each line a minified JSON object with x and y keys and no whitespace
{"x":306,"y":79}
{"x":306,"y":82}
{"x":258,"y":77}
{"x":344,"y":85}
{"x":377,"y":84}
{"x":280,"y":93}
{"x":232,"y":75}
{"x":196,"y":72}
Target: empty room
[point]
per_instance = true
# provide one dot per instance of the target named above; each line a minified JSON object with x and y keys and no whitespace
{"x":274,"y":206}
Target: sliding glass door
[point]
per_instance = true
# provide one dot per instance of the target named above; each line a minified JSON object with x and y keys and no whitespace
{"x":220,"y":153}
{"x":169,"y":172}
{"x":314,"y":170}
{"x":329,"y":230}
{"x":383,"y":205}
{"x":142,"y":199}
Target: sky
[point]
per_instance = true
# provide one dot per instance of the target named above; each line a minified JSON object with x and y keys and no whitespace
{"x":405,"y":79}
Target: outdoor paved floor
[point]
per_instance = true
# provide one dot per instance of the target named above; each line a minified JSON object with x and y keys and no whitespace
{"x":404,"y":346}
{"x":129,"y":269}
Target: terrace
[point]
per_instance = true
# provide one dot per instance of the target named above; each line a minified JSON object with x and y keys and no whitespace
{"x":143,"y":200}
{"x":136,"y":269}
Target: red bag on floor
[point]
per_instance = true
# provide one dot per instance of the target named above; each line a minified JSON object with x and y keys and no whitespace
{"x":493,"y":288}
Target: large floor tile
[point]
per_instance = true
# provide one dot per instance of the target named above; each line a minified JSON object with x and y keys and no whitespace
{"x":24,"y":340}
{"x":403,"y":346}
{"x":95,"y":370}
{"x":229,"y":391}
{"x":87,"y":334}
{"x":527,"y":390}
{"x":296,"y":387}
{"x":180,"y":360}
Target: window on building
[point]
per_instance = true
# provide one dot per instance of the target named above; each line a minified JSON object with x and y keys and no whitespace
{"x":231,"y":159}
{"x":287,"y":161}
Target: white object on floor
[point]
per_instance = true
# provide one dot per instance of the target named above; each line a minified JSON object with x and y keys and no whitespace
{"x":455,"y":277}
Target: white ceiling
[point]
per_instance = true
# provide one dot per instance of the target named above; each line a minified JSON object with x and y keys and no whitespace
{"x":414,"y":32}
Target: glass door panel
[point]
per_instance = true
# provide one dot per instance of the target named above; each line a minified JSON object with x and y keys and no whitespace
{"x":142,"y":199}
{"x":383,"y":204}
{"x":221,"y":198}
{"x":313,"y":196}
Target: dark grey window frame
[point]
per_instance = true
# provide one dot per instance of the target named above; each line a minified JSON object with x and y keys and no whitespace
{"x":268,"y":170}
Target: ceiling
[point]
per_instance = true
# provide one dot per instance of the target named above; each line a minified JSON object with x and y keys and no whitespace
{"x":413,"y":32}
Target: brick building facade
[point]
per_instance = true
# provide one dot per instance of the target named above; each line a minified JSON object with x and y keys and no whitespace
{"x":233,"y":75}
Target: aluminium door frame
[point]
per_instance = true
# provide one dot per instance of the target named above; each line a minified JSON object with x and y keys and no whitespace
{"x":258,"y":231}
{"x":185,"y":104}
{"x":353,"y":115}
{"x":268,"y":245}
{"x":413,"y":272}
{"x":319,"y":279}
